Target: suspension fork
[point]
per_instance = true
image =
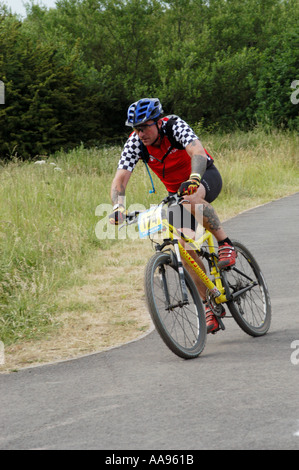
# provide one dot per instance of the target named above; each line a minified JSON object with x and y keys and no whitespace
{"x":181,"y":272}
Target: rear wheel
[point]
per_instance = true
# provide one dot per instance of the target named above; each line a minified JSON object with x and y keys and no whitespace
{"x":181,"y":326}
{"x":251,"y":307}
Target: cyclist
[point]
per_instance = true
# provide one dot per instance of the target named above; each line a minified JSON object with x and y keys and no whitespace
{"x":176,"y":155}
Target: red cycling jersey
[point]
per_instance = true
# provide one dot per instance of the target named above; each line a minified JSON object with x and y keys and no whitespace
{"x":176,"y":167}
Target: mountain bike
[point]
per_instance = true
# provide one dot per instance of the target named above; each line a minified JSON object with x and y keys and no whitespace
{"x":172,"y":297}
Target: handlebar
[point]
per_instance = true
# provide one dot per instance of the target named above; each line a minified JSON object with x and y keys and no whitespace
{"x":172,"y":199}
{"x":132,"y":217}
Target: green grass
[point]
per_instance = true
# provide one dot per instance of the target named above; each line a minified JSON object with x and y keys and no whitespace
{"x":47,"y":216}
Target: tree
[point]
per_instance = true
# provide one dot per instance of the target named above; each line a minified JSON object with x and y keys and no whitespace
{"x":43,"y":96}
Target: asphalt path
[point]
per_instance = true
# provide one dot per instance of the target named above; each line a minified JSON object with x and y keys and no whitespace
{"x":241,"y":393}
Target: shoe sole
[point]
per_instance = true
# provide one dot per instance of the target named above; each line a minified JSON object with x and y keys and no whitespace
{"x":224,"y":266}
{"x":212,"y":329}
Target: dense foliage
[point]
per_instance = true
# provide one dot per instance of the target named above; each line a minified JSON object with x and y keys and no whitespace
{"x":71,"y":72}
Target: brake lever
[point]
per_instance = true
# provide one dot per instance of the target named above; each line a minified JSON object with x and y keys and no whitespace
{"x":131,"y":219}
{"x":174,"y":199}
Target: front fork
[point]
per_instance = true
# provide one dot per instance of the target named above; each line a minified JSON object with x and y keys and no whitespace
{"x":181,"y":273}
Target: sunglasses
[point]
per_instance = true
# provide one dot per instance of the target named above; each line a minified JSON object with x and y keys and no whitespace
{"x":143,"y":127}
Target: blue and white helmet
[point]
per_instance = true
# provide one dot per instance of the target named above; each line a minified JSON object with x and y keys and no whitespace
{"x":144,"y":110}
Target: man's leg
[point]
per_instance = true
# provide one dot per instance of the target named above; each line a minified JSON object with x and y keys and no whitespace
{"x":197,"y":281}
{"x":211,"y":320}
{"x":203,"y":210}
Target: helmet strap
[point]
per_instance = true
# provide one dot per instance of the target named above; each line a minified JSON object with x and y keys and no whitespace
{"x":160,"y":134}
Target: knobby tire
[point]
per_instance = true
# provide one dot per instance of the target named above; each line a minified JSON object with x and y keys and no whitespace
{"x":251,"y":310}
{"x":182,"y":328}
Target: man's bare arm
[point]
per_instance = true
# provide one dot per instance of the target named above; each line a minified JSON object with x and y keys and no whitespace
{"x":198,"y":157}
{"x":118,"y":187}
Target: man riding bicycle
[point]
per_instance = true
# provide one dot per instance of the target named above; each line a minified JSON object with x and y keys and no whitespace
{"x":175,"y":154}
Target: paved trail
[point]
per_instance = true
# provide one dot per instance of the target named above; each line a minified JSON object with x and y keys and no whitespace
{"x":241,"y":393}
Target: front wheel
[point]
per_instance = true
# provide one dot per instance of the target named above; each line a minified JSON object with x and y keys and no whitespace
{"x":251,"y":307}
{"x":181,"y":325}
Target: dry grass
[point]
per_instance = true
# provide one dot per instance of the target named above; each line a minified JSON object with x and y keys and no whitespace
{"x":108,"y":310}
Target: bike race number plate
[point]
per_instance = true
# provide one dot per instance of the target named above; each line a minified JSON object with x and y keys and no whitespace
{"x":150,"y":221}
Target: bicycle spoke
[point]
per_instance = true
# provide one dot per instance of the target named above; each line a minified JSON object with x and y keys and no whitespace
{"x":250,"y":304}
{"x":181,"y":320}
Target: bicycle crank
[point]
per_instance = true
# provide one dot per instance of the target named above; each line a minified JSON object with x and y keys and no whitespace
{"x":217,"y":309}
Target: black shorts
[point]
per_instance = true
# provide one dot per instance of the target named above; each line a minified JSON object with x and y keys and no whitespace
{"x":212,"y":182}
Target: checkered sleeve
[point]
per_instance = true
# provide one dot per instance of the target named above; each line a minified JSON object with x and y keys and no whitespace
{"x":183,"y":133}
{"x":131,"y":154}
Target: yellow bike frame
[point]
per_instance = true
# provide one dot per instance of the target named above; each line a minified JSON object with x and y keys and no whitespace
{"x":216,"y":288}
